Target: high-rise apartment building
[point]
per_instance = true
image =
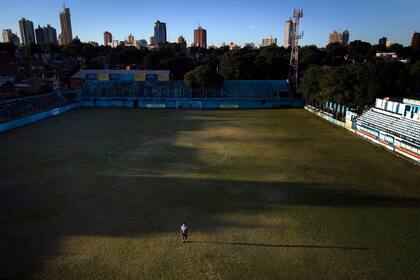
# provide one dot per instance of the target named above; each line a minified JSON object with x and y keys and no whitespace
{"x":288,"y":31}
{"x":27,"y":31}
{"x":142,"y":43}
{"x":152,"y":41}
{"x":15,"y":39}
{"x":107,"y":38}
{"x":9,"y":37}
{"x":382,"y":41}
{"x":40,"y":37}
{"x":340,"y":37}
{"x":335,"y":37}
{"x":346,"y":38}
{"x":6,"y":35}
{"x":60,"y":39}
{"x":50,"y":34}
{"x":66,"y":31}
{"x":200,"y":38}
{"x":130,"y":39}
{"x":266,"y":42}
{"x":182,"y":42}
{"x":160,"y":33}
{"x":415,"y":41}
{"x":46,"y":35}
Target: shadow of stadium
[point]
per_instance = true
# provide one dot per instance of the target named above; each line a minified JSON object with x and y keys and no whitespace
{"x":152,"y":205}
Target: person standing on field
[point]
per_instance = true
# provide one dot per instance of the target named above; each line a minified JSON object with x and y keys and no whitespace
{"x":184,"y":232}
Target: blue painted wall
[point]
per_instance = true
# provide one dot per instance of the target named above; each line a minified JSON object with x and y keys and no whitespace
{"x":36,"y":117}
{"x":192,"y":103}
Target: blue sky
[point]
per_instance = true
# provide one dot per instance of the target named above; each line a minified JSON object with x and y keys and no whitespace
{"x":225,"y":21}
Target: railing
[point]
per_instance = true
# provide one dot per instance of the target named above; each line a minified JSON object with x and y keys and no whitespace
{"x":19,"y":108}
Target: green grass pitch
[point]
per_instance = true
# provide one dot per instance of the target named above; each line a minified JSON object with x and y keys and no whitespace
{"x":274,"y":194}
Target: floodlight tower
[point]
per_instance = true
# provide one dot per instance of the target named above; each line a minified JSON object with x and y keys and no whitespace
{"x":294,"y":56}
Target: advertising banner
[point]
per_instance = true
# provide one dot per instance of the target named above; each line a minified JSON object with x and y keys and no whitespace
{"x":103,"y":77}
{"x":114,"y":77}
{"x":151,"y":78}
{"x":127,"y":77}
{"x":139,"y":77}
{"x":91,"y":77}
{"x":163,"y":77}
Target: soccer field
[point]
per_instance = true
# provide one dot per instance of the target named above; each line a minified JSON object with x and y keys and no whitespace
{"x":274,"y":194}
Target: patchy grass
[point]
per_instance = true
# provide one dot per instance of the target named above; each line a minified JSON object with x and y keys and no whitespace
{"x":100,"y":194}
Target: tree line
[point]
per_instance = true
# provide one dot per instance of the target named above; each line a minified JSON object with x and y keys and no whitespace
{"x":355,"y":77}
{"x":355,"y":85}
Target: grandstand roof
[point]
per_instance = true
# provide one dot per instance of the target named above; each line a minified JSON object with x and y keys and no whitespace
{"x":82,"y":73}
{"x":411,"y":101}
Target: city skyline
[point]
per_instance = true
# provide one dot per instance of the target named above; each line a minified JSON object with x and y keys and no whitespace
{"x":259,"y":23}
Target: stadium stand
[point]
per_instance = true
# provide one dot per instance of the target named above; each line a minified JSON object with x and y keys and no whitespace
{"x":395,"y":125}
{"x":19,"y":108}
{"x":178,"y":89}
{"x":156,"y":84}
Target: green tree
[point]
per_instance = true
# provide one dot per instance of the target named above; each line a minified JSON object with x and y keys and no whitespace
{"x":334,"y":54}
{"x":231,"y":65}
{"x":359,"y":51}
{"x":310,"y":55}
{"x":204,"y":76}
{"x":309,"y":86}
{"x":272,"y":63}
{"x":415,"y":72}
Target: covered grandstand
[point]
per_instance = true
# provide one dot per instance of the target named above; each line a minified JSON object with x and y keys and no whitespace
{"x":178,"y":89}
{"x":395,"y":125}
{"x":141,"y":88}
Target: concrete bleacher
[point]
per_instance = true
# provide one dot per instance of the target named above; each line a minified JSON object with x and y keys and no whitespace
{"x":407,"y":127}
{"x":392,"y":123}
{"x":395,"y":125}
{"x":377,"y":120}
{"x":21,"y":107}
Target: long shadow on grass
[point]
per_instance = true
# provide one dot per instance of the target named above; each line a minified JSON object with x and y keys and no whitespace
{"x":278,"y":245}
{"x":42,"y":206}
{"x":133,"y":207}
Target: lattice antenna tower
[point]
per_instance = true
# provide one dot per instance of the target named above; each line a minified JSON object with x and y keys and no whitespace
{"x":294,"y":56}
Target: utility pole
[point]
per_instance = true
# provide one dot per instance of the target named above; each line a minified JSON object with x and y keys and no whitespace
{"x":294,"y":56}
